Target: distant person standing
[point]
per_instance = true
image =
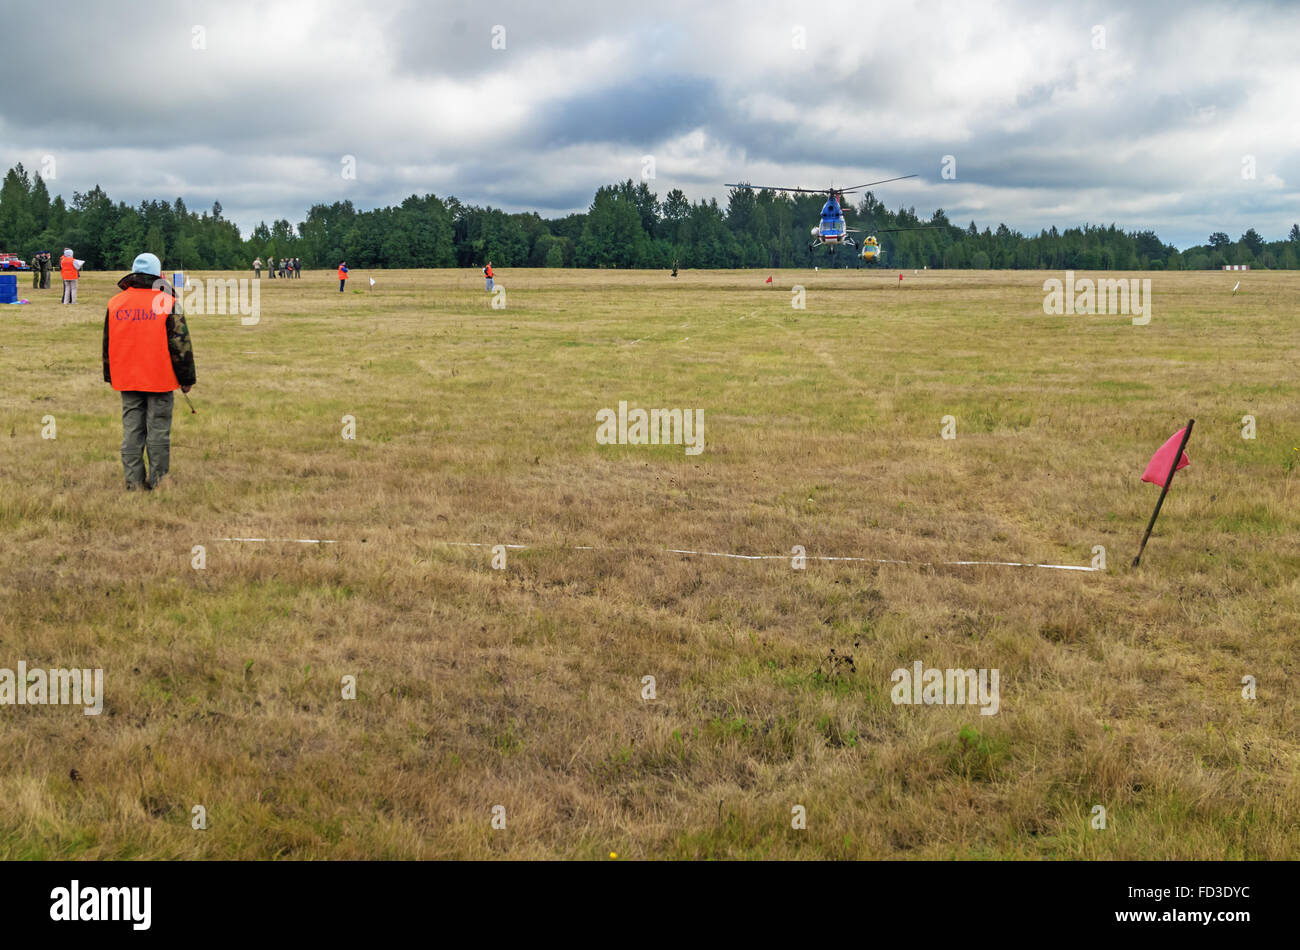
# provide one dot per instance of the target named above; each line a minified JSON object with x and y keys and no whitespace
{"x":297,"y":267}
{"x":44,"y":260}
{"x":147,"y":355}
{"x":674,"y":267}
{"x":36,"y":271}
{"x":257,"y":267}
{"x":270,"y":267}
{"x":68,"y":271}
{"x":487,"y":275}
{"x":343,"y":275}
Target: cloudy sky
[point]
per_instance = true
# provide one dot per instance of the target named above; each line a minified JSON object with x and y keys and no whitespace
{"x":1180,"y":117}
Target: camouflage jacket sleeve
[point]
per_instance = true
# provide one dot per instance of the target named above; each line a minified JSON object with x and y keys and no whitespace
{"x":178,"y":344}
{"x":107,"y":377}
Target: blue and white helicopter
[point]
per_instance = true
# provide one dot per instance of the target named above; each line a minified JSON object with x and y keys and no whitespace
{"x":833,"y":230}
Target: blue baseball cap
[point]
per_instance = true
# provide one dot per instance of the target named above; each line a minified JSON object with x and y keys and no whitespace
{"x":147,"y":264}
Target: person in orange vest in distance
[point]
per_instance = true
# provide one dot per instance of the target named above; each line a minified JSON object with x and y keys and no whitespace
{"x":343,"y":275}
{"x":68,"y":271}
{"x":147,"y":355}
{"x":487,"y":273}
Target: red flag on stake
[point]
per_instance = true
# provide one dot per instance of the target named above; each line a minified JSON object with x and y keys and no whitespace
{"x":768,"y":281}
{"x":1159,"y":468}
{"x":1169,"y":458}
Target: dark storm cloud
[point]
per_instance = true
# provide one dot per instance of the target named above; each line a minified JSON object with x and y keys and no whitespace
{"x":638,"y":112}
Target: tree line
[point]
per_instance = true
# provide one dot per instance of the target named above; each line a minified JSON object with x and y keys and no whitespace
{"x":626,"y":226}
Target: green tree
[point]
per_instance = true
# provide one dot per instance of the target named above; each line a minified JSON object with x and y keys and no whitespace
{"x":17,"y":224}
{"x":612,"y":236}
{"x":154,"y":242}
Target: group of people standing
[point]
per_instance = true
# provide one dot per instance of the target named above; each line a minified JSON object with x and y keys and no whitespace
{"x":288,"y":267}
{"x":69,"y":270}
{"x":41,"y":271}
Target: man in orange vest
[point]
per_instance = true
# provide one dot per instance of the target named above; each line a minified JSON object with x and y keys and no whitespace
{"x":487,"y":274}
{"x":68,"y":271}
{"x":343,"y":275}
{"x":147,"y":355}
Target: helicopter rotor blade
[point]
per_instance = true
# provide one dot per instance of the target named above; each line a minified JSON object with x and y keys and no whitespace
{"x":818,"y":191}
{"x":806,"y":191}
{"x":931,"y":227}
{"x":845,"y":191}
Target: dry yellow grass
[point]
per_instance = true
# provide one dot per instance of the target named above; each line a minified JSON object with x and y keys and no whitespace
{"x":522,"y":687}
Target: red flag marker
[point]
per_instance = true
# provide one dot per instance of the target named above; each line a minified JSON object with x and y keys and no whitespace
{"x":900,"y":278}
{"x":1161,"y":467}
{"x":768,"y":281}
{"x":1169,"y":458}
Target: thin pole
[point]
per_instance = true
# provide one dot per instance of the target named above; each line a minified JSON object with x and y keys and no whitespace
{"x":1169,"y":479}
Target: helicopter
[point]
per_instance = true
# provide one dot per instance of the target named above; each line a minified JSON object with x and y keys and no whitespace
{"x":833,"y":230}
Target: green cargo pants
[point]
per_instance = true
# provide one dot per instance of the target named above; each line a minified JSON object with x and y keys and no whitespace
{"x":146,"y":423}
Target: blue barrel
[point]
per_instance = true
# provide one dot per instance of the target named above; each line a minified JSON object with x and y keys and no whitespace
{"x":8,"y":288}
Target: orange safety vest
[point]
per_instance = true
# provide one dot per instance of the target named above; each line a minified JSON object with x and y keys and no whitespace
{"x":343,"y":275}
{"x":67,"y":268}
{"x":138,"y":357}
{"x":487,"y":272}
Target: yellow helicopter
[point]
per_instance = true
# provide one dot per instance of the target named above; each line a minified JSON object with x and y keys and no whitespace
{"x":872,"y":248}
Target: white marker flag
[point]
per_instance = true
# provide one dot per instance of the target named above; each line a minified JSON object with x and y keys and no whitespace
{"x":1234,"y":289}
{"x":372,"y":282}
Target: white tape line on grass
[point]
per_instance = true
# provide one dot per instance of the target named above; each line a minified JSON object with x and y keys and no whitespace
{"x":812,"y":557}
{"x":280,"y":540}
{"x":877,"y":560}
{"x":726,"y":554}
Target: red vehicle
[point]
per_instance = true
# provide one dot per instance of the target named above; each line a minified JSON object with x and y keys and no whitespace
{"x":11,"y":262}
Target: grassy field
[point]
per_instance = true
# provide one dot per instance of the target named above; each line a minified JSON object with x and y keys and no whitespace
{"x":522,"y":687}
